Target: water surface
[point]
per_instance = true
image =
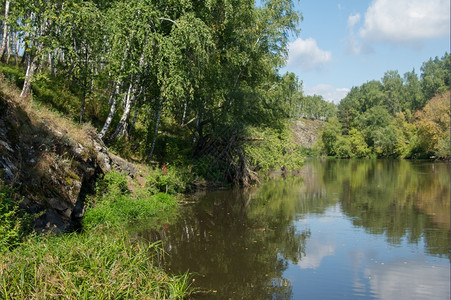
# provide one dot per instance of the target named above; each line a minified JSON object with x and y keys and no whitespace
{"x":343,"y":229}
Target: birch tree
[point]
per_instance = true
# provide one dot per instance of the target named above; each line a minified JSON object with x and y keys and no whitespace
{"x":5,"y":35}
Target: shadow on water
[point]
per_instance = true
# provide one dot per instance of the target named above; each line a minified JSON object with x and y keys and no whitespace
{"x":240,"y":243}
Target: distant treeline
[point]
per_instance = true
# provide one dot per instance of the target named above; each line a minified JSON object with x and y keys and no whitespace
{"x":397,"y":116}
{"x":313,"y":107}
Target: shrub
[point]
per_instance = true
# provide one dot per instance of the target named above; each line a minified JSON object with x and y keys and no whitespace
{"x":171,"y":181}
{"x":343,"y":147}
{"x":277,"y":150}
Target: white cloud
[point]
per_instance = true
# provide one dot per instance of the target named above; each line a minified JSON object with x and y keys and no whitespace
{"x":306,"y":55}
{"x":406,"y":22}
{"x":353,"y":44}
{"x":328,"y":92}
{"x":353,"y":20}
{"x":315,"y":252}
{"x":413,"y":280}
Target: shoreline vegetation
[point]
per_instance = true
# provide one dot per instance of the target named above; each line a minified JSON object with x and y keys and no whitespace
{"x":190,"y":93}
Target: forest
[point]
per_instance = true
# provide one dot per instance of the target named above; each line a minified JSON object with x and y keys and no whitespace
{"x":161,"y":81}
{"x":396,"y":117}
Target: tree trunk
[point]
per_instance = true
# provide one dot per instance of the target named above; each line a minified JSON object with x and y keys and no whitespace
{"x":111,"y":113}
{"x":121,"y":128}
{"x":135,"y":116}
{"x":31,"y":68}
{"x":5,"y":31}
{"x":16,"y":52}
{"x":8,"y":48}
{"x":157,"y":124}
{"x":85,"y":83}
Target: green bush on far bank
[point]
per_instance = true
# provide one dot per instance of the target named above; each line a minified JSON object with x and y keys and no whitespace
{"x":273,"y":149}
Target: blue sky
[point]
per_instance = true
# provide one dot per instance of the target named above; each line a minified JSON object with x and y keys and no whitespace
{"x":345,"y":43}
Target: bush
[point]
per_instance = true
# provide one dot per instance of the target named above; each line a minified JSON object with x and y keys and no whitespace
{"x":277,"y":150}
{"x":358,"y":145}
{"x":170,"y":181}
{"x":343,"y":147}
{"x":329,"y":136}
{"x":14,"y":74}
{"x":443,"y":147}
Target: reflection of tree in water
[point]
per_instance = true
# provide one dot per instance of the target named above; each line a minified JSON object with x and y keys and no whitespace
{"x":240,"y":243}
{"x":236,"y":245}
{"x":400,"y":199}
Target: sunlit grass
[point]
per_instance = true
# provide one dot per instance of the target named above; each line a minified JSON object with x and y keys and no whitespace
{"x":102,"y":265}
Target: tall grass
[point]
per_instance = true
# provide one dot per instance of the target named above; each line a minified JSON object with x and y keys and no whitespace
{"x":115,"y":206}
{"x":102,"y":262}
{"x":104,"y":265}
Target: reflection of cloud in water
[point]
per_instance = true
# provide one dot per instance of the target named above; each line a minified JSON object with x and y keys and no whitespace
{"x":414,"y":280}
{"x":314,"y":253}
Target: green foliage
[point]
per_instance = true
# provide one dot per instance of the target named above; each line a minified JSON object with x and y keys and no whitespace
{"x":370,"y":121}
{"x":382,"y":112}
{"x":314,"y":107}
{"x":343,"y":147}
{"x":444,"y":147}
{"x":329,"y":136}
{"x":115,"y":206}
{"x":170,"y":181}
{"x":14,"y":223}
{"x":13,"y":74}
{"x":106,"y":263}
{"x":276,"y":150}
{"x":435,"y":76}
{"x":385,"y":141}
{"x":359,"y":148}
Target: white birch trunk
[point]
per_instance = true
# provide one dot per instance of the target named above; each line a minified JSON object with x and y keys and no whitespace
{"x":107,"y":124}
{"x":121,"y":128}
{"x":31,"y":68}
{"x":5,"y":31}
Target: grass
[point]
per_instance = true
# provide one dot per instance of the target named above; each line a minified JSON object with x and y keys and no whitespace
{"x":104,"y":265}
{"x":14,"y":223}
{"x":103,"y":261}
{"x":115,"y":206}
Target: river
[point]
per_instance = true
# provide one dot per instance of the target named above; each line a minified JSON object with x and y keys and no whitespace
{"x":341,"y":229}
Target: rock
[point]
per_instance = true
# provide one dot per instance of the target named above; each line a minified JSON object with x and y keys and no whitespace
{"x":50,"y":221}
{"x":306,"y":132}
{"x":51,"y":172}
{"x":122,"y":165}
{"x":4,"y":144}
{"x":103,"y":160}
{"x":61,"y":206}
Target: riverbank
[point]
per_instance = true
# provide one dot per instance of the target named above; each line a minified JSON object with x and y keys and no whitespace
{"x":67,"y":201}
{"x":104,"y":259}
{"x":54,"y":172}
